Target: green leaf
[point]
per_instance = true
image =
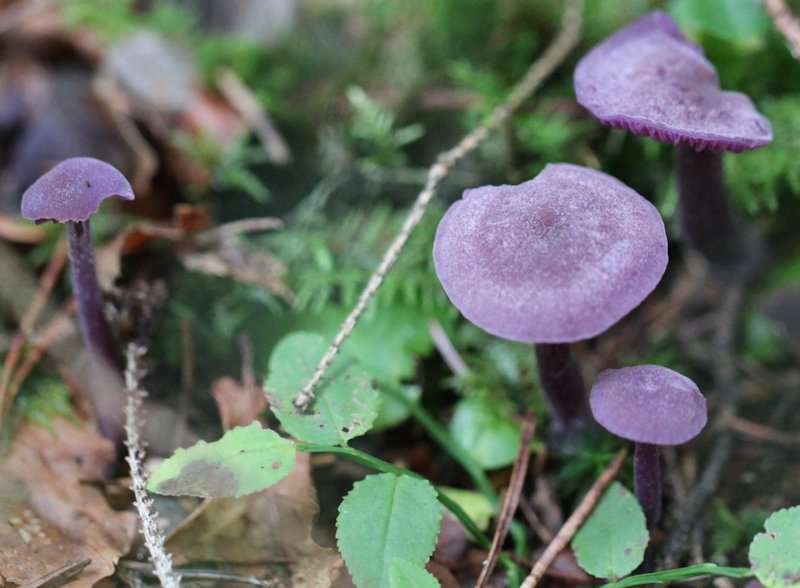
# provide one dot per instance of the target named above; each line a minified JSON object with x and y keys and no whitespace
{"x":386,"y":517}
{"x":393,"y":410}
{"x":404,"y":574}
{"x":612,"y":542}
{"x":245,"y":460}
{"x":738,"y":21}
{"x":488,"y":433}
{"x":388,"y":343}
{"x":775,"y":555}
{"x":346,"y":402}
{"x":479,"y":508}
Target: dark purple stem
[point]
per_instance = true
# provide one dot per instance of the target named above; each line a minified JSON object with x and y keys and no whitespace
{"x":562,"y":382}
{"x":707,"y":221}
{"x":647,"y":481}
{"x":89,"y":297}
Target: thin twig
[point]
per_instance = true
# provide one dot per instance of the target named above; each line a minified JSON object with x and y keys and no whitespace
{"x":574,"y":522}
{"x":46,"y":282}
{"x":233,"y":228}
{"x":552,"y":57}
{"x":153,"y":538}
{"x":511,"y":500}
{"x":759,"y":432}
{"x":724,"y":373}
{"x":787,"y":24}
{"x":61,"y":576}
{"x":535,"y":523}
{"x":133,"y":570}
{"x":58,"y":326}
{"x":241,"y":98}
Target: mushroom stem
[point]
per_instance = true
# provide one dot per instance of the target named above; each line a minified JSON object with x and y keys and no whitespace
{"x":88,"y":296}
{"x":562,"y":382}
{"x":647,"y":481}
{"x":707,"y":221}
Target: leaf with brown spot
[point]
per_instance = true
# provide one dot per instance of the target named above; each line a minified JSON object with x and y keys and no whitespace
{"x":244,"y":460}
{"x":271,"y":525}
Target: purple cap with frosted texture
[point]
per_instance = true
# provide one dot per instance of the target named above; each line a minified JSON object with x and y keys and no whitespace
{"x":649,"y":79}
{"x":73,"y":190}
{"x":649,"y":404}
{"x":557,"y":259}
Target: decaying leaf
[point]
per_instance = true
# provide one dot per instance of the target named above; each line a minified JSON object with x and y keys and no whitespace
{"x":245,"y":460}
{"x":52,"y":514}
{"x":231,"y":258}
{"x":271,"y":525}
{"x":238,"y":405}
{"x":346,"y":403}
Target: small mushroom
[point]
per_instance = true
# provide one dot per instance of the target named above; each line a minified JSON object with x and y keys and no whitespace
{"x":70,"y":193}
{"x":652,"y":406}
{"x":554,"y":260}
{"x":649,"y":79}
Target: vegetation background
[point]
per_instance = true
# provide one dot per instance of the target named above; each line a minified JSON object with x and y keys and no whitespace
{"x":353,"y":100}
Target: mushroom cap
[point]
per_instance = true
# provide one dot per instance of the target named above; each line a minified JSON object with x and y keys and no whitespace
{"x":73,"y":190}
{"x":648,"y":404}
{"x":649,"y":79}
{"x":556,"y":259}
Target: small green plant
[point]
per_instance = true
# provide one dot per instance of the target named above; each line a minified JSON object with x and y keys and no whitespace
{"x":249,"y":459}
{"x":612,"y":543}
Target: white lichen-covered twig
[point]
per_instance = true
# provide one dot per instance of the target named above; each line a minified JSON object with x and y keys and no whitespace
{"x":567,"y":38}
{"x":153,"y":538}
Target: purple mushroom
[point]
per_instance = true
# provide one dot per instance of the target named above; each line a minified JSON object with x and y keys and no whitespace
{"x":651,"y":406}
{"x":70,"y":193}
{"x":554,"y":260}
{"x":649,"y":79}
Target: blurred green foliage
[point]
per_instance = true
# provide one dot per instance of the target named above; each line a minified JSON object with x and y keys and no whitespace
{"x":732,"y":532}
{"x":41,"y":400}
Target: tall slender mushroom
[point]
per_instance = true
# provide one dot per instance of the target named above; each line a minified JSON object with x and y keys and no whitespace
{"x":554,"y":260}
{"x":70,"y":193}
{"x":649,"y":79}
{"x":652,"y":406}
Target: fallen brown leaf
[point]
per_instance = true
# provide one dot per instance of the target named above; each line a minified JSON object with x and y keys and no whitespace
{"x":238,"y":405}
{"x":52,"y":517}
{"x":247,"y":265}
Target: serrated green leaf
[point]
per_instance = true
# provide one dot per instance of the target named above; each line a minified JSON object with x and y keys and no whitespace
{"x":346,"y":402}
{"x":404,"y":574}
{"x":486,"y":432}
{"x":612,"y":541}
{"x":386,"y":517}
{"x":245,"y":460}
{"x":775,"y":555}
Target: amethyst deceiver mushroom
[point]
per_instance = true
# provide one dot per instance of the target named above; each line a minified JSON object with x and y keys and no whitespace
{"x":70,"y":193}
{"x":652,"y":406}
{"x":649,"y":79}
{"x":554,"y":260}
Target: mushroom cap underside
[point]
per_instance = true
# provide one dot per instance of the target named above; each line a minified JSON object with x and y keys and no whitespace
{"x":649,"y":79}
